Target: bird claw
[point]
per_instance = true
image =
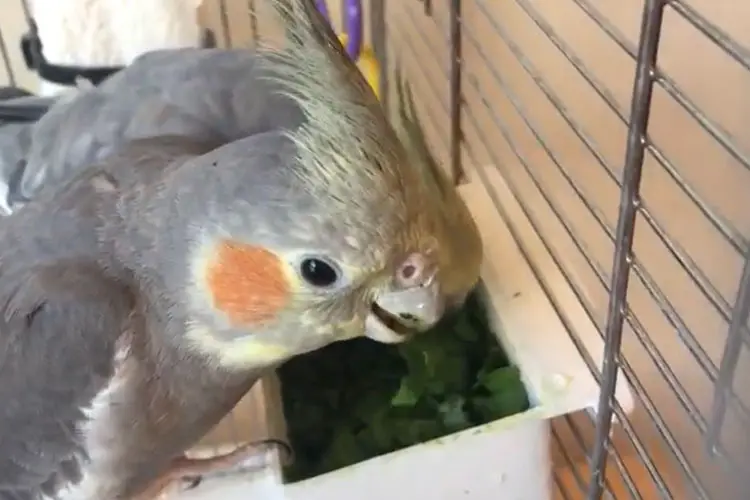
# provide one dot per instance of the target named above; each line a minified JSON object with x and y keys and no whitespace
{"x":187,"y":473}
{"x":192,"y":482}
{"x":251,"y":456}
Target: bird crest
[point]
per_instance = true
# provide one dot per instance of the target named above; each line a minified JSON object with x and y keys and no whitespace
{"x":347,"y":149}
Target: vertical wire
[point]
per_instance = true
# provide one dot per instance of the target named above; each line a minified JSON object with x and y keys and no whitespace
{"x":455,"y":91}
{"x":650,"y":34}
{"x":729,"y":359}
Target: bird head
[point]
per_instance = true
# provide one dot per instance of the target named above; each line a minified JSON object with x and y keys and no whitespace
{"x":329,"y":230}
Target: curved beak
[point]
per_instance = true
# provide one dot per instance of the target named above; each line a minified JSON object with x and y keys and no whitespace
{"x":396,"y":316}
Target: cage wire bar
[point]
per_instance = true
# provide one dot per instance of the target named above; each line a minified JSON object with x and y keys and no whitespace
{"x":641,"y":105}
{"x":647,"y":75}
{"x":461,"y":132}
{"x":574,"y":427}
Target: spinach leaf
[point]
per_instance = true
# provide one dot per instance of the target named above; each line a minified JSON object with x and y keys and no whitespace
{"x":358,"y":399}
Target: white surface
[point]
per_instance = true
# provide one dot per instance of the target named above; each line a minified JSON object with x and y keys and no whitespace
{"x":530,"y":330}
{"x":259,"y":486}
{"x":111,"y":32}
{"x":507,"y":464}
{"x":476,"y":464}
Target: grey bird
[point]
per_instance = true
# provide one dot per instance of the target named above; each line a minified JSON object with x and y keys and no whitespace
{"x":143,"y":294}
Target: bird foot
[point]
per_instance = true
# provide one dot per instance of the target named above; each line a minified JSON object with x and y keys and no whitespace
{"x":187,"y":473}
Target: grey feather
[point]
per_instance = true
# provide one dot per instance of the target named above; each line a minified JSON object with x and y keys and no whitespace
{"x":65,"y":301}
{"x":205,"y":94}
{"x":62,"y":309}
{"x":57,"y":337}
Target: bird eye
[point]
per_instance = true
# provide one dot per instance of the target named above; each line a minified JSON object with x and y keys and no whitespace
{"x":319,"y":273}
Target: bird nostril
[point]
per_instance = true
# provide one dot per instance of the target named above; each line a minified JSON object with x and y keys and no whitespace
{"x":408,"y":271}
{"x":408,"y":317}
{"x":411,"y":272}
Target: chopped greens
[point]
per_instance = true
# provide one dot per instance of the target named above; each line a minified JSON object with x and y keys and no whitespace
{"x":358,"y":399}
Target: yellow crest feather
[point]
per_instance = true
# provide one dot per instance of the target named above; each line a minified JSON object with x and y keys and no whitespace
{"x":347,"y":149}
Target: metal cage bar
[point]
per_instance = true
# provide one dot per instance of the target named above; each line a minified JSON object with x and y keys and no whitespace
{"x":629,"y":199}
{"x":455,"y":90}
{"x":730,"y":358}
{"x":649,"y":76}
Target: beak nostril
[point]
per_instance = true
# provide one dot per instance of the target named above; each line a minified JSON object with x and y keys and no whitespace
{"x":408,"y":271}
{"x":408,"y":317}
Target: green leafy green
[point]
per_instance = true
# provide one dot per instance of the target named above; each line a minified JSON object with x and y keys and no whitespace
{"x":358,"y":399}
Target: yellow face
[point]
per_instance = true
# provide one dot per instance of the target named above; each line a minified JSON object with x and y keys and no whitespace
{"x":250,"y":287}
{"x":266,"y":306}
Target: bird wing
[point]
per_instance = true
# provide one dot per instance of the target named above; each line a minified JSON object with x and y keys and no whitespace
{"x":58,"y":331}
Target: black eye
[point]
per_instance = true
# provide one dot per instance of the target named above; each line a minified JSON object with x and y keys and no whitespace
{"x":318,"y":272}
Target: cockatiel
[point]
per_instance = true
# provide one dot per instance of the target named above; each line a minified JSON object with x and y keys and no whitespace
{"x":144,"y":297}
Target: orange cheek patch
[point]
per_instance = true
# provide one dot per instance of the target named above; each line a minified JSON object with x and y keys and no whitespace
{"x":247,"y":283}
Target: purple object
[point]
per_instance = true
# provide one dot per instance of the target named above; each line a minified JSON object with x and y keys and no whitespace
{"x":352,"y":13}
